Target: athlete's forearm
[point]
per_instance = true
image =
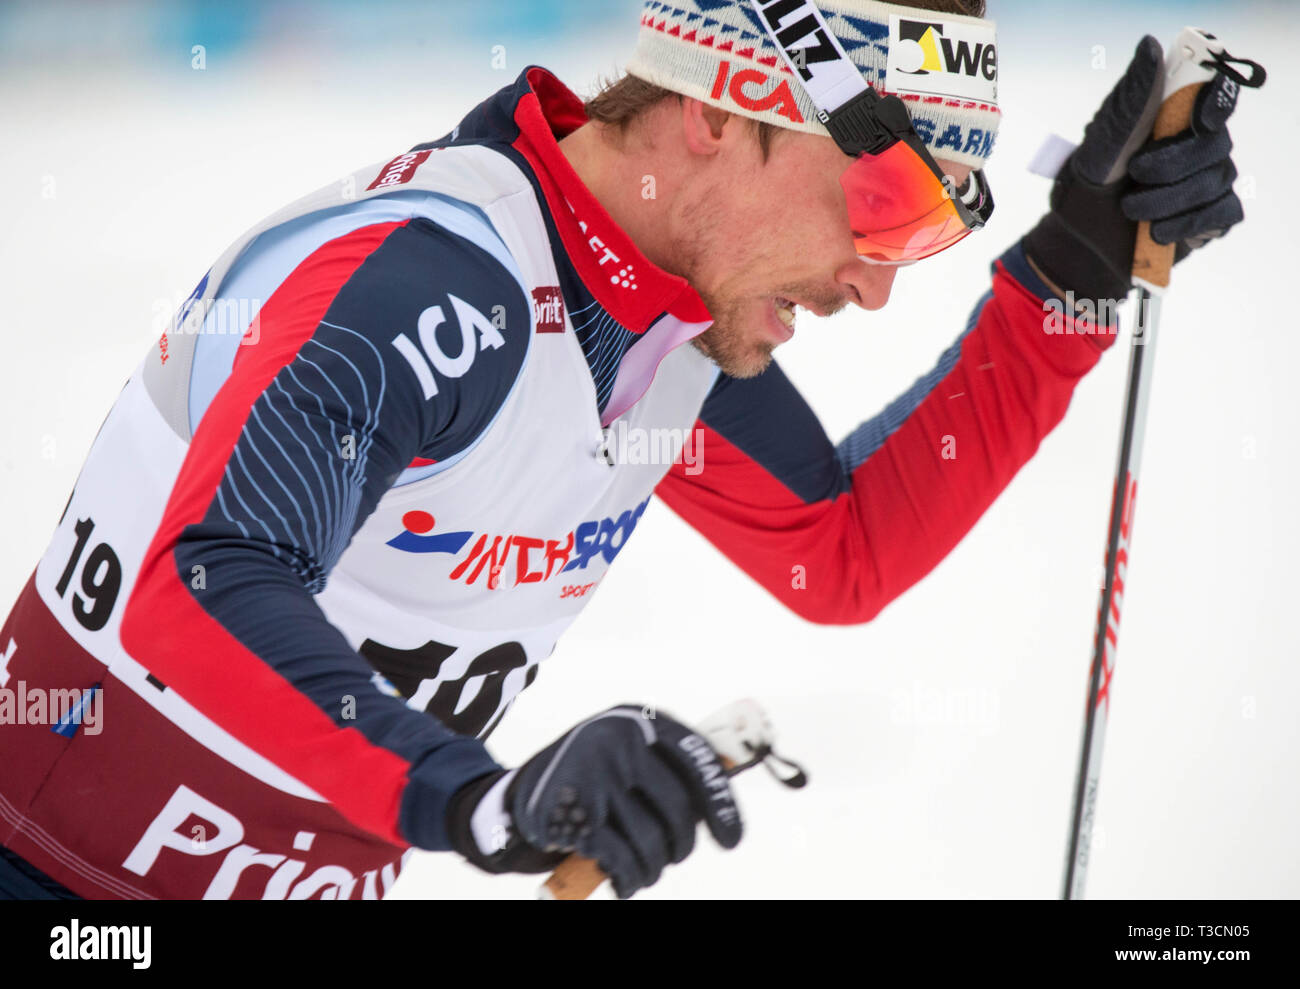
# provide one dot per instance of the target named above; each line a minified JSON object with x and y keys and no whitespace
{"x":273,"y":672}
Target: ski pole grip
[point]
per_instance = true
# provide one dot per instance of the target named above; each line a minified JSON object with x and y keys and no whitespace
{"x":1153,"y":262}
{"x":576,"y":878}
{"x":1190,"y":62}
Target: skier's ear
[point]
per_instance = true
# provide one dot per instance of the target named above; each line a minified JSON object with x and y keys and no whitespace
{"x":703,"y":126}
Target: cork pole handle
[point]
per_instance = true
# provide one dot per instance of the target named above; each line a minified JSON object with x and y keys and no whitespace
{"x":576,"y":878}
{"x":1153,"y":262}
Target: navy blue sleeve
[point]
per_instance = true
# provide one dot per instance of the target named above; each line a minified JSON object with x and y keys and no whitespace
{"x":786,"y":439}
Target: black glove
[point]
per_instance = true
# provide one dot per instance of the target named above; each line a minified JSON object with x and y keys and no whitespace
{"x":1182,"y":184}
{"x":622,"y":788}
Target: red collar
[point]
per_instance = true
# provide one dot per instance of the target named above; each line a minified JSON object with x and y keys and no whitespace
{"x":630,"y":288}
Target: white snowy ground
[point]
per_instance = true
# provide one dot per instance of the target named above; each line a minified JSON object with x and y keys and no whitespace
{"x":942,"y":737}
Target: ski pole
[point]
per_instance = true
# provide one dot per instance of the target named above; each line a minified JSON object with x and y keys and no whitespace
{"x":1191,"y":63}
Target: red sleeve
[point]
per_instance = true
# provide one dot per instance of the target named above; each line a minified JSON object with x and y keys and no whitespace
{"x":838,"y":533}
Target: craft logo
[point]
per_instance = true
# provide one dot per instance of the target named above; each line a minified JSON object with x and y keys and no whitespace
{"x":400,"y":170}
{"x":1226,"y":98}
{"x":625,"y":275}
{"x":548,"y":309}
{"x":942,"y":58}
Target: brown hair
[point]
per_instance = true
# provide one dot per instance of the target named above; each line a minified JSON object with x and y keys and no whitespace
{"x":622,"y":101}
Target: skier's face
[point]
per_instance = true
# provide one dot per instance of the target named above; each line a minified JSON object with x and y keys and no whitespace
{"x":767,"y":236}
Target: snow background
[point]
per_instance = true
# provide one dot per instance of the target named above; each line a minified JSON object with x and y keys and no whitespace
{"x":942,"y":738}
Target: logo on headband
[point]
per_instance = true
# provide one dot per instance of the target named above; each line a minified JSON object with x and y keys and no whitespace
{"x":779,"y":99}
{"x":810,"y":48}
{"x":958,"y":59}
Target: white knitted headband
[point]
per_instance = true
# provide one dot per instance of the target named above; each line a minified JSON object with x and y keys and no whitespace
{"x":944,"y":66}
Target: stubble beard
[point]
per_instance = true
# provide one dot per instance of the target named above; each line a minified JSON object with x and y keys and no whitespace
{"x":735,"y":341}
{"x":727,"y":342}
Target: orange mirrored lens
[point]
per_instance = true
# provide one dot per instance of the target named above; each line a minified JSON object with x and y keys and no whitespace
{"x":899,"y":210}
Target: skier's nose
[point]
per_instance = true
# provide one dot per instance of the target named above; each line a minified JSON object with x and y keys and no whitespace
{"x":867,"y":285}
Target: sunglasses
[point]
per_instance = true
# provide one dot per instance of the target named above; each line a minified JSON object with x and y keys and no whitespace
{"x":902,"y":207}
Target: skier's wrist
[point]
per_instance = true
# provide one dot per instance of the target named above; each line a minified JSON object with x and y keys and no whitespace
{"x":431,"y":784}
{"x":460,"y":813}
{"x":1078,"y":261}
{"x":482,"y":831}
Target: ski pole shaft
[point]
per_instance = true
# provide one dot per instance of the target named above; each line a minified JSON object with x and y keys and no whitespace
{"x":1185,"y":74}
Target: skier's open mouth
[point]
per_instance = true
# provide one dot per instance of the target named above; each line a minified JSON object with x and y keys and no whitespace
{"x":785,"y":312}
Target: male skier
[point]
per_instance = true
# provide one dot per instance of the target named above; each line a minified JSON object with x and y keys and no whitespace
{"x":314,"y":554}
